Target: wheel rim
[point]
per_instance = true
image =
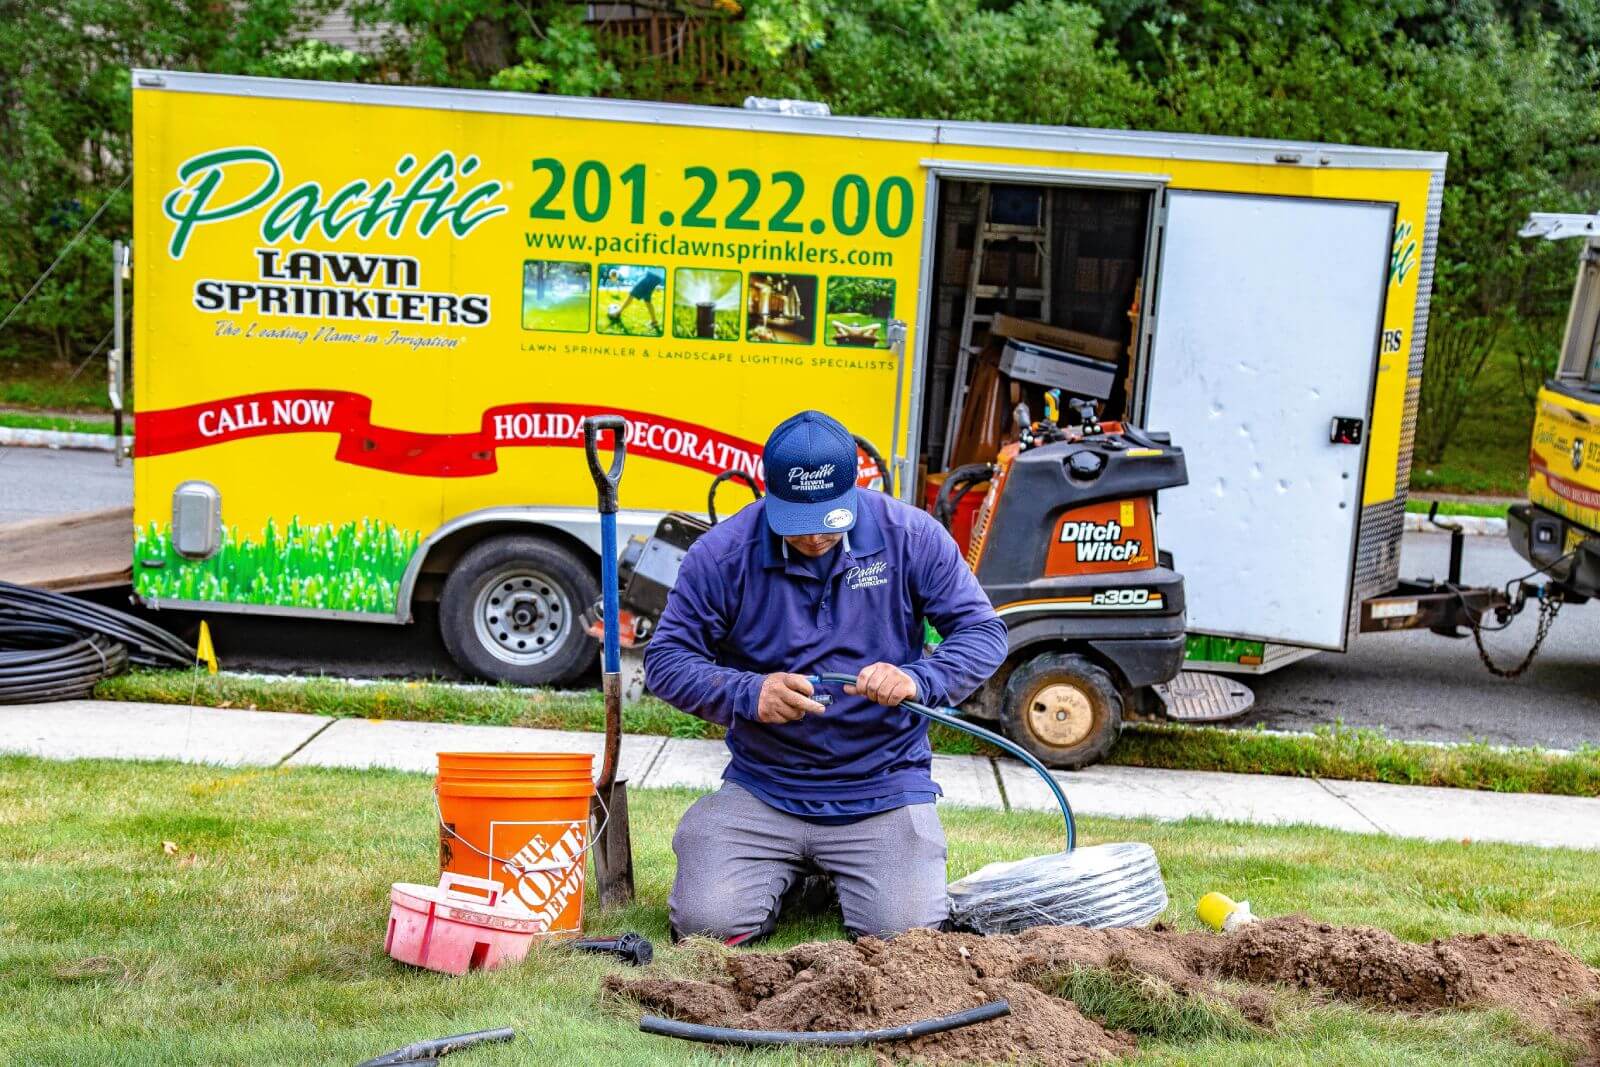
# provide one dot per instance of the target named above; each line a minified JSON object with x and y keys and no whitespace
{"x":521,"y":616}
{"x":1061,"y":715}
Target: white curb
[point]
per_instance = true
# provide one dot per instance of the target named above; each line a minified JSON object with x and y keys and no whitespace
{"x":88,"y":442}
{"x":1471,"y":525}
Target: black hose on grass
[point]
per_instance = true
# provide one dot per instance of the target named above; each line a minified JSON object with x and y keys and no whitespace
{"x":725,"y":1035}
{"x":432,"y":1051}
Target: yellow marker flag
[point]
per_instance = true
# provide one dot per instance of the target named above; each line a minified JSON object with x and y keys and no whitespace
{"x":204,"y":652}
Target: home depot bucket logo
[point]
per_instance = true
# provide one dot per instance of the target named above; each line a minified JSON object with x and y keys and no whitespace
{"x":545,"y":876}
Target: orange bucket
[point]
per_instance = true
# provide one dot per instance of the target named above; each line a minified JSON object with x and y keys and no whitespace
{"x":574,"y":763}
{"x":520,"y":819}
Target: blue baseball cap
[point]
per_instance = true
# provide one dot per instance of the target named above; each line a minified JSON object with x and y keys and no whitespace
{"x":811,"y":476}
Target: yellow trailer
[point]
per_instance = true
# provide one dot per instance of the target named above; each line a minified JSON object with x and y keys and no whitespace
{"x":369,"y":319}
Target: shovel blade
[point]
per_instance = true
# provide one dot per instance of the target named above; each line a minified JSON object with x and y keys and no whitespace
{"x":613,"y":846}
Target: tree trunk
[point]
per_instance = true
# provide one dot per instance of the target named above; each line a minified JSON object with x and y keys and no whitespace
{"x":1458,"y":347}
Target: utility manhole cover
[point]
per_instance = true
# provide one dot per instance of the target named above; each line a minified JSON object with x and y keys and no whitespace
{"x":1196,"y":697}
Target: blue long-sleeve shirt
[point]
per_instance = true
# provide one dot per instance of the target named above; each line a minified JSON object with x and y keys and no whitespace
{"x":741,"y":610}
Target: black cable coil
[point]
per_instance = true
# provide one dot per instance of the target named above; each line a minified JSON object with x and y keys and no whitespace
{"x":147,"y":645}
{"x":56,"y":647}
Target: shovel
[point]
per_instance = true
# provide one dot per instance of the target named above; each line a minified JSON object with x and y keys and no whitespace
{"x":613,"y":847}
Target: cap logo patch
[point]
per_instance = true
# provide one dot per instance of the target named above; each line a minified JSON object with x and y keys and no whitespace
{"x":811,"y":479}
{"x":837,"y":519}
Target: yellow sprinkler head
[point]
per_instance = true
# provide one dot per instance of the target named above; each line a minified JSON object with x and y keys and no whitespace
{"x":1223,"y":913}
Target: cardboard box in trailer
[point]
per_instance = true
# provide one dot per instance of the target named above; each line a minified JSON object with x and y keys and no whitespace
{"x":369,"y":319}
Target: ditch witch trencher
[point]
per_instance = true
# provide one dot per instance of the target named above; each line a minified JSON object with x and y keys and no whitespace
{"x":613,"y":847}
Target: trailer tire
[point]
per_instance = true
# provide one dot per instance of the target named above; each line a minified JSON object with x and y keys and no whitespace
{"x":1063,"y":708}
{"x":511,"y":611}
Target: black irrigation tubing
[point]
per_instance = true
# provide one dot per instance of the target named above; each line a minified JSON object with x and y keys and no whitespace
{"x":147,"y":645}
{"x":722,"y":1035}
{"x":46,"y":662}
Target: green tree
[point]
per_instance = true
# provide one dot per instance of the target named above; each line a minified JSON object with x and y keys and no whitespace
{"x":1519,"y":119}
{"x":1038,"y":62}
{"x":517,"y":45}
{"x":65,"y":132}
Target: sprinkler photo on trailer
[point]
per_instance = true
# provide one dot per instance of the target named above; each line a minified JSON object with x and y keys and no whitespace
{"x":705,"y":304}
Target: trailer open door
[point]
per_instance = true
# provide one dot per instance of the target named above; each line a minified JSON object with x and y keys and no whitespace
{"x":1264,"y":354}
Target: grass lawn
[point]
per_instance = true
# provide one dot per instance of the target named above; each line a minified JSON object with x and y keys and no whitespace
{"x":1489,"y":453}
{"x":1356,"y":754}
{"x":27,"y":385}
{"x":568,"y":314}
{"x":26,"y":420}
{"x":1457,"y":507}
{"x":256,"y":937}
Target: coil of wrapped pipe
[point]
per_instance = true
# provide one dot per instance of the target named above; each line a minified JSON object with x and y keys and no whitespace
{"x":41,"y":662}
{"x":146,"y":645}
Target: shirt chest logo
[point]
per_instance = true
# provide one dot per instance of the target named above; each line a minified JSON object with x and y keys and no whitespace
{"x":867,"y":576}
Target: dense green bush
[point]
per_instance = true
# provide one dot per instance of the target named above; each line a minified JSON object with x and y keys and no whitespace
{"x":1510,"y":89}
{"x":65,"y":128}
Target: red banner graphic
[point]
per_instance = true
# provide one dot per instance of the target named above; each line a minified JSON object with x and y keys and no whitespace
{"x":1581,"y":495}
{"x":433,"y":455}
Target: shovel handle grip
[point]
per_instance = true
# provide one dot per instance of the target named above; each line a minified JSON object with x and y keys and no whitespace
{"x":606,"y":481}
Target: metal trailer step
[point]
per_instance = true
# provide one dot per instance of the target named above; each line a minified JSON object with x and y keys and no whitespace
{"x":1196,"y":697}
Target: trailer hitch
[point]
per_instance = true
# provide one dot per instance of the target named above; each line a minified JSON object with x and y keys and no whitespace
{"x":1447,"y":607}
{"x":1451,"y":609}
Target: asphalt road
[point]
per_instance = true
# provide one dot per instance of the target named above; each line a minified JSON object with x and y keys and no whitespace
{"x":1422,"y":686}
{"x":35,"y":482}
{"x":1414,"y":685}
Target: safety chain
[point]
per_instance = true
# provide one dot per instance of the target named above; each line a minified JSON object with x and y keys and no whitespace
{"x":1549,"y":608}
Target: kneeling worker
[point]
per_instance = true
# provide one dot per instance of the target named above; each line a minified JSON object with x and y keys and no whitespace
{"x":818,"y":577}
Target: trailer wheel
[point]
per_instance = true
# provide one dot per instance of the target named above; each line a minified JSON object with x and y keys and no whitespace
{"x":511,"y":611}
{"x":1063,"y":708}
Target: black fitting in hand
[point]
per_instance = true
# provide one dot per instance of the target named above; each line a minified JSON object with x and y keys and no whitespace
{"x":631,"y":948}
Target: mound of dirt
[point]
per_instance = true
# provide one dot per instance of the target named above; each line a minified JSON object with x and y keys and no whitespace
{"x":1540,"y":982}
{"x":836,"y":985}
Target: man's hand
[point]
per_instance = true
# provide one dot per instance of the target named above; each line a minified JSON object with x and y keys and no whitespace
{"x":885,"y":684}
{"x":785,"y":698}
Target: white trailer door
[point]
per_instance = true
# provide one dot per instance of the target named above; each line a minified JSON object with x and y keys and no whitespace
{"x":1267,"y":318}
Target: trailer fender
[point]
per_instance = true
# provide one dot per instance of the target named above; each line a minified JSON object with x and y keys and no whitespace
{"x":577,"y":528}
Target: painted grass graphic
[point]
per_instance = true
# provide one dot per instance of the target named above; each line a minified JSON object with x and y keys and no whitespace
{"x":356,"y":566}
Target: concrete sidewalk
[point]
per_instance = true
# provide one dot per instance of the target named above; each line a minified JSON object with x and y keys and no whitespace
{"x":117,"y":730}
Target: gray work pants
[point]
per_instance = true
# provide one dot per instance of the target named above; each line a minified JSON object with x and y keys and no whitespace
{"x":737,"y":856}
